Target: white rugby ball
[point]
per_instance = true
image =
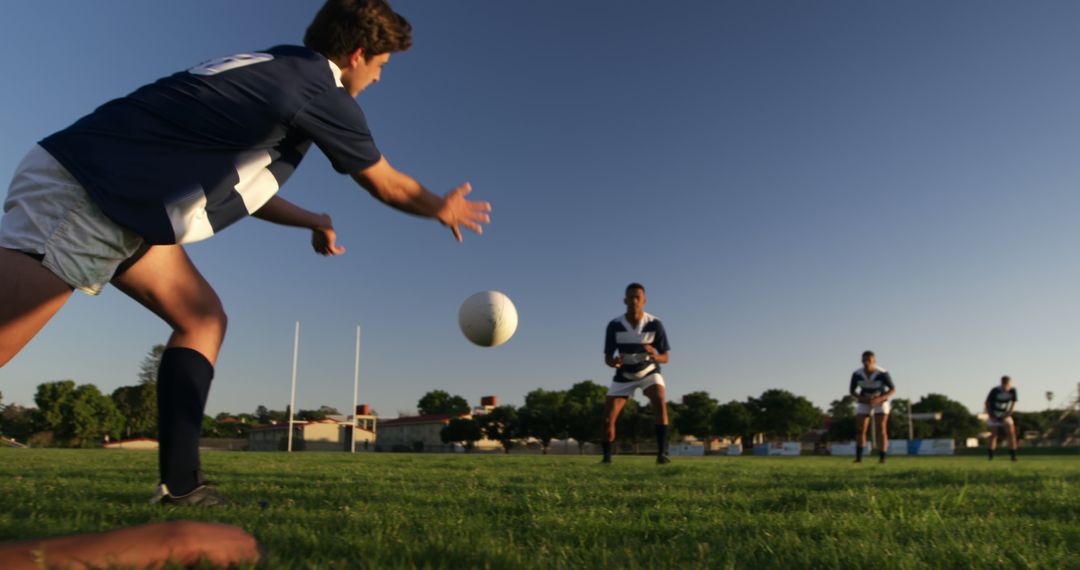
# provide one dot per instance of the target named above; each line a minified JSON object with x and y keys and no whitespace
{"x":488,"y":318}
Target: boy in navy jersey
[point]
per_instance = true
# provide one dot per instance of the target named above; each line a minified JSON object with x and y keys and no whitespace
{"x":113,"y":197}
{"x":999,"y":406}
{"x":872,"y":387}
{"x":642,"y":346}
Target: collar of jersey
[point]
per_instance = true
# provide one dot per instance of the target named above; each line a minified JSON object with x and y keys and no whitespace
{"x":337,"y":73}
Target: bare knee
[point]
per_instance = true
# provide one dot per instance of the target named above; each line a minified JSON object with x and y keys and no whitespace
{"x":207,"y":320}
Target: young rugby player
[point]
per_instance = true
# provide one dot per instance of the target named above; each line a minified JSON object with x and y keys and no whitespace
{"x":113,"y":197}
{"x":999,"y":406}
{"x":642,"y":346}
{"x":872,"y":387}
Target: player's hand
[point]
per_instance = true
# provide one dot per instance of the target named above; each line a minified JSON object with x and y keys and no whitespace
{"x":618,"y":362}
{"x":650,"y":350}
{"x":457,"y":211}
{"x":218,"y":544}
{"x":324,"y":241}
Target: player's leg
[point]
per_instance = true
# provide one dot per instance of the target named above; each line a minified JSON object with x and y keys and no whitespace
{"x":862,"y":422}
{"x":31,"y":296}
{"x":993,"y":438}
{"x":613,"y":406}
{"x":657,"y":396}
{"x":881,"y":423}
{"x":1011,"y":427}
{"x":165,"y":281}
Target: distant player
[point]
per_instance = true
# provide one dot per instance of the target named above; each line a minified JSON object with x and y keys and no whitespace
{"x":642,"y":346}
{"x":112,"y":198}
{"x":872,"y":387}
{"x":999,"y":406}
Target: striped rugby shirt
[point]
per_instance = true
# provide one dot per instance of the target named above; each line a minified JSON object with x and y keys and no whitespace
{"x":180,"y":159}
{"x":999,"y":402}
{"x":877,"y":384}
{"x":630,"y":341}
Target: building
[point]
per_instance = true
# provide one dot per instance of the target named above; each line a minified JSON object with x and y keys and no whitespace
{"x":423,"y":433}
{"x":134,"y":443}
{"x":318,"y":435}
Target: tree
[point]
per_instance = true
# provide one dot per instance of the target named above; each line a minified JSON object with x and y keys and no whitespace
{"x":461,"y":430}
{"x":16,"y":422}
{"x":842,"y":419}
{"x":93,"y":415}
{"x":956,"y":421}
{"x":52,"y":399}
{"x":635,"y":424}
{"x":696,"y":416}
{"x":779,"y":413}
{"x":583,"y":410}
{"x":77,"y":416}
{"x":262,"y":414}
{"x":542,"y":416}
{"x":148,"y":370}
{"x":502,"y":425}
{"x":138,"y":406}
{"x":733,"y":419}
{"x":441,"y":402}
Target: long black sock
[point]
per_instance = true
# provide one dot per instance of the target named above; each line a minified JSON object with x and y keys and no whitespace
{"x":858,"y":452}
{"x":183,"y":385}
{"x":881,"y":456}
{"x":1012,"y":453}
{"x":990,"y":452}
{"x":661,"y":439}
{"x":607,"y":450}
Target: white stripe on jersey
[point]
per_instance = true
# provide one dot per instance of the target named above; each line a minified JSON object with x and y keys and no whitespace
{"x":257,"y":184}
{"x":188,"y":217}
{"x":634,"y":337}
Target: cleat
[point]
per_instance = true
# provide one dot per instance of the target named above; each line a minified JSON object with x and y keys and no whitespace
{"x":205,"y":495}
{"x":662,"y":460}
{"x":605,"y":461}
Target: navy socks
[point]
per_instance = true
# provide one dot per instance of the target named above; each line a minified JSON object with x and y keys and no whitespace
{"x":661,"y":439}
{"x":182,"y":387}
{"x":607,"y":450}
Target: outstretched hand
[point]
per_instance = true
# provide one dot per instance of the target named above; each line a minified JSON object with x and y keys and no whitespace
{"x":324,"y":241}
{"x":457,"y":211}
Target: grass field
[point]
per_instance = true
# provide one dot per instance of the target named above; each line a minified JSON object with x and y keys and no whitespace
{"x":333,"y":510}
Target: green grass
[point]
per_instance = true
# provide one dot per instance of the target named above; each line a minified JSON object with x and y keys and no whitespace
{"x":333,"y":510}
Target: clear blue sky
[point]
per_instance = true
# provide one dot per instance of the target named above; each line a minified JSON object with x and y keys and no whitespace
{"x":794,"y":182}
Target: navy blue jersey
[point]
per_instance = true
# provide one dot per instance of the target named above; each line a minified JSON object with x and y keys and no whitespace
{"x":873,"y":386}
{"x":182,"y":158}
{"x":630,"y":341}
{"x":1000,"y":402}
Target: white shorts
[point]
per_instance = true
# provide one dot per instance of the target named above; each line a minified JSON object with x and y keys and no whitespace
{"x":47,"y":212}
{"x":862,"y":409}
{"x":627,"y":389}
{"x":994,"y":423}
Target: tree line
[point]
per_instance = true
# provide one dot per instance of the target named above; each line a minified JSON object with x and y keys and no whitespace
{"x":72,"y":415}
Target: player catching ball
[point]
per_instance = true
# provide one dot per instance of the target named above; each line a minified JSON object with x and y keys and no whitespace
{"x":114,"y":197}
{"x":642,"y":346}
{"x":872,"y":387}
{"x":999,"y":406}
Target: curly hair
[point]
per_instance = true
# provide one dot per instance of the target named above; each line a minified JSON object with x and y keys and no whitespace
{"x":342,"y":26}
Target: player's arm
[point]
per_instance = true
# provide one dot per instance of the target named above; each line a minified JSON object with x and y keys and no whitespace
{"x":283,"y":212}
{"x":659,"y":358}
{"x":402,"y":192}
{"x":851,"y":389}
{"x":1012,"y":404}
{"x":147,"y":546}
{"x":659,"y":350}
{"x":887,"y":381}
{"x":609,"y":349}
